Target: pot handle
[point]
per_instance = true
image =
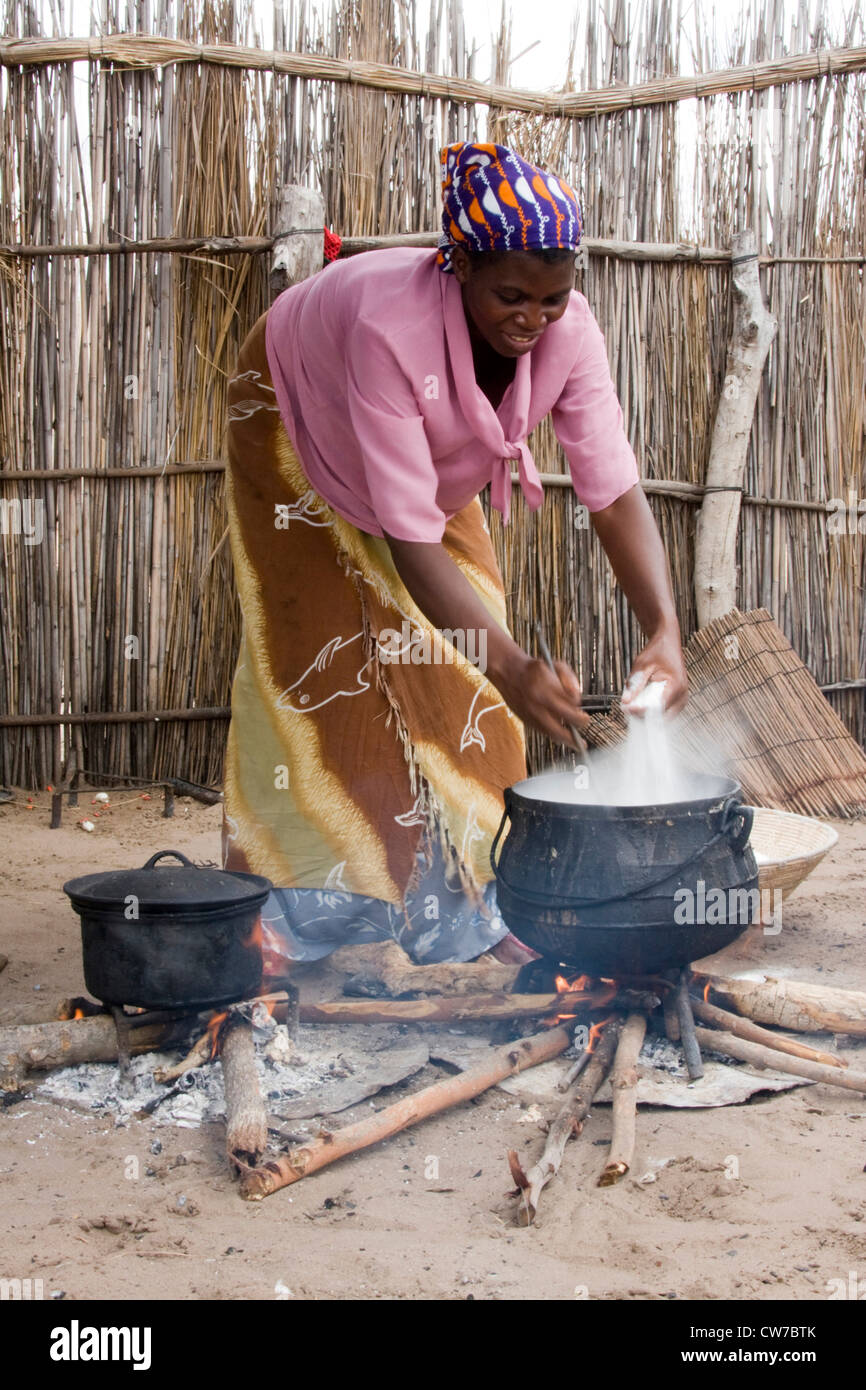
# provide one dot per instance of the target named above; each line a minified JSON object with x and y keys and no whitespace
{"x":735,"y":811}
{"x":506,"y":815}
{"x":169,"y":854}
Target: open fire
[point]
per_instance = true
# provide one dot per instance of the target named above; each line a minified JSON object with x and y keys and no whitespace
{"x":606,"y":1019}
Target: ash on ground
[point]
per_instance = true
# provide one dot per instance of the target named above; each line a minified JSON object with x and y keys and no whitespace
{"x":324,"y":1070}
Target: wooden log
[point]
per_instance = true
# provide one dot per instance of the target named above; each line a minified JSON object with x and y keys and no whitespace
{"x":793,"y":1005}
{"x":200,"y":1052}
{"x":752,"y":1032}
{"x":574,"y":1071}
{"x":246,"y":1117}
{"x":624,"y":1085}
{"x":568,"y":1123}
{"x":753,"y":330}
{"x":61,"y":1043}
{"x":444,"y":1010}
{"x":43,"y":1046}
{"x":327,"y":1148}
{"x":386,"y":964}
{"x":672,"y":1022}
{"x":763,"y":1057}
{"x":688,"y":1039}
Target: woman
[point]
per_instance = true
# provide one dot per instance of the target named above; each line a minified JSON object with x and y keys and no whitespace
{"x":378,"y":702}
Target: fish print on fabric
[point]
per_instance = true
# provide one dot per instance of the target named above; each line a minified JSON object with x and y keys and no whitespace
{"x":310,"y":509}
{"x":375,"y":785}
{"x":471,"y":732}
{"x":328,"y":677}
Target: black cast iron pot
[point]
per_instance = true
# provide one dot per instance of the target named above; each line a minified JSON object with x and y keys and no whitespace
{"x":626,"y":890}
{"x":172,"y":937}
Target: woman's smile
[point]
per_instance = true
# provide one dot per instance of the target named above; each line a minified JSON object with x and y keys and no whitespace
{"x":511,"y":302}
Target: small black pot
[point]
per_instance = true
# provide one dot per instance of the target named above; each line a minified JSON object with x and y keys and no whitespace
{"x":170,"y":938}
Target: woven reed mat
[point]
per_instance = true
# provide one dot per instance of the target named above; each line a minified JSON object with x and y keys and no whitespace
{"x":756,"y":710}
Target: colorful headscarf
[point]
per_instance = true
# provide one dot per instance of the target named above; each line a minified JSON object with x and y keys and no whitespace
{"x":496,"y":201}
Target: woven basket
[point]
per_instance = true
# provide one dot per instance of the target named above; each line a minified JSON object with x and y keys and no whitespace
{"x":792,"y":846}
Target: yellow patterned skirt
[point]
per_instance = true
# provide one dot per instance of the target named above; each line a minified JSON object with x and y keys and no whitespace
{"x":367,"y":789}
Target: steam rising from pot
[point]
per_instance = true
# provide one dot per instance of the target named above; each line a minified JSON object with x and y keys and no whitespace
{"x":646,"y":769}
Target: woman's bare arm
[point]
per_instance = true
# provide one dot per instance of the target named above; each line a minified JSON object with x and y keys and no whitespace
{"x":631,"y":540}
{"x":448,"y":600}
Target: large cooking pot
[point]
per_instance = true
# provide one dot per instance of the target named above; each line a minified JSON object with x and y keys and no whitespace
{"x":171,"y":937}
{"x":625,"y":890}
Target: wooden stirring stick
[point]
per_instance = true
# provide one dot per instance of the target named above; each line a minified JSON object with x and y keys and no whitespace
{"x":579,"y":741}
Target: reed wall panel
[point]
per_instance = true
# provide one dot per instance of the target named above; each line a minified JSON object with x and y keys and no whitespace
{"x":127,"y":602}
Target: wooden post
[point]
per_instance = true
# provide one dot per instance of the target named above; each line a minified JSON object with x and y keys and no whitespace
{"x":716,"y":540}
{"x":297,"y":253}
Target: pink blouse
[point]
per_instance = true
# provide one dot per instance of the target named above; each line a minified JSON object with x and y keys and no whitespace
{"x":372,"y":367}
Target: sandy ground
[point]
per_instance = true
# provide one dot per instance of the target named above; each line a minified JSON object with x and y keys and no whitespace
{"x":377,"y":1225}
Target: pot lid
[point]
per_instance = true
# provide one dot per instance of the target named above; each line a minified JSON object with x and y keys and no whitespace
{"x":167,"y":887}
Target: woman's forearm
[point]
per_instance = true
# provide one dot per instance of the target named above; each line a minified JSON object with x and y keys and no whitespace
{"x":550,"y":701}
{"x":631,"y":541}
{"x":446,"y":597}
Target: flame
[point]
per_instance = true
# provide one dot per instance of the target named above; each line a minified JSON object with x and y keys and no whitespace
{"x":79,"y":1013}
{"x":564,"y":986}
{"x":595,"y":1032}
{"x":707,"y":992}
{"x":581,"y":988}
{"x":214,"y":1029}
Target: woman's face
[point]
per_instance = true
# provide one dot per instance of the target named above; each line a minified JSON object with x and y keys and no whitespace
{"x":511,"y":302}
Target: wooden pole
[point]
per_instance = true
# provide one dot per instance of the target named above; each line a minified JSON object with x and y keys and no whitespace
{"x":299,"y":1163}
{"x":752,"y":1032}
{"x":154,"y":50}
{"x":762,"y":1057}
{"x":624,"y":1085}
{"x":246,"y":1117}
{"x":297,"y":254}
{"x":568,"y":1123}
{"x":716,"y":539}
{"x":688,"y":1036}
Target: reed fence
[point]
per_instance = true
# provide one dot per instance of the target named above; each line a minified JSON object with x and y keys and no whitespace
{"x":139,"y":194}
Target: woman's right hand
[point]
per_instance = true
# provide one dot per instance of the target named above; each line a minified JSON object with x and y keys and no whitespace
{"x":546,"y":701}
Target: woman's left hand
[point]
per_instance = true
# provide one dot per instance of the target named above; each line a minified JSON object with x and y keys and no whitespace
{"x":661,"y":660}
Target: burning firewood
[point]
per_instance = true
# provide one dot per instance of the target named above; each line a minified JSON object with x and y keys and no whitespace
{"x":688,"y":1034}
{"x":30,"y":1047}
{"x":43,"y":1046}
{"x":761,"y":1057}
{"x":298,"y":1163}
{"x":792,"y":1004}
{"x":568,"y":1122}
{"x":445,"y":1010}
{"x":672,"y":1022}
{"x":624,"y":1086}
{"x":246,"y":1117}
{"x":752,"y":1032}
{"x":200,"y":1052}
